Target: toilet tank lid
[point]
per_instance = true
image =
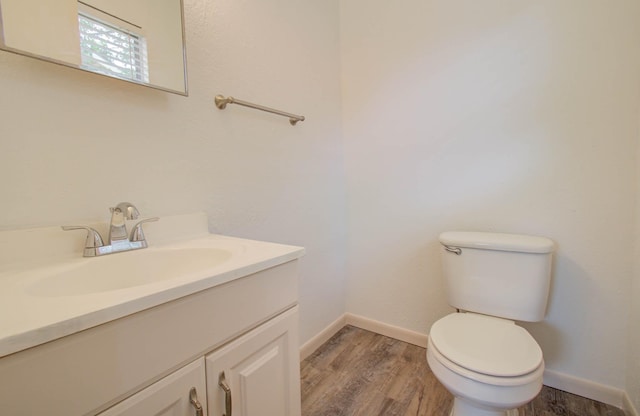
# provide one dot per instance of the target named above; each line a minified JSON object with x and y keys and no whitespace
{"x":497,"y":241}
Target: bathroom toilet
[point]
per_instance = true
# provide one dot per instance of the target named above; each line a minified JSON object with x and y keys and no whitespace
{"x":491,"y":365}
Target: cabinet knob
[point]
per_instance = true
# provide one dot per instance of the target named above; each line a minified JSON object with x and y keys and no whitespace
{"x":222,"y":382}
{"x":193,"y":398}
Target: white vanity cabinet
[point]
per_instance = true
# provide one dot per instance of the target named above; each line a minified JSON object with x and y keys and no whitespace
{"x":146,"y":363}
{"x":254,"y":375}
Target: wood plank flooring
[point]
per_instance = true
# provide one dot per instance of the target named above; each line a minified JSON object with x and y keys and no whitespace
{"x":358,"y":372}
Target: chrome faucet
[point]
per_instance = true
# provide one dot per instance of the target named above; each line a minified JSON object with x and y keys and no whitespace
{"x":119,"y":239}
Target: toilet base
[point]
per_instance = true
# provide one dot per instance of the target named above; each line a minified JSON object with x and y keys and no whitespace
{"x":464,"y":408}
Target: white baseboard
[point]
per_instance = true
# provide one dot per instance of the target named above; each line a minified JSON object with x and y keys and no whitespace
{"x":314,"y":343}
{"x":585,"y":388}
{"x":628,"y":406}
{"x":406,"y":335}
{"x":411,"y":337}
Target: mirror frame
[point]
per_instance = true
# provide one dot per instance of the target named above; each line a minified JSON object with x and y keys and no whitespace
{"x":185,"y":93}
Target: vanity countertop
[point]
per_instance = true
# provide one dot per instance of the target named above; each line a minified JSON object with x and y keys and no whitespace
{"x":30,"y":318}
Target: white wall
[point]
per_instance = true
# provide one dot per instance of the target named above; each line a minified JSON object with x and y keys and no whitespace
{"x":633,"y":351}
{"x":74,"y":143}
{"x":499,"y":116}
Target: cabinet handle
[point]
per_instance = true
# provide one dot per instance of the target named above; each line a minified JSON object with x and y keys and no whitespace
{"x":222,"y":382}
{"x":193,"y":398}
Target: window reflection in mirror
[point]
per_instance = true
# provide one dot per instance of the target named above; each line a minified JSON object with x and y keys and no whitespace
{"x":140,"y":41}
{"x":112,"y":46}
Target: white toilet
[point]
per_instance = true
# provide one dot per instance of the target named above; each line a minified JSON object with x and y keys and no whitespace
{"x":490,"y":364}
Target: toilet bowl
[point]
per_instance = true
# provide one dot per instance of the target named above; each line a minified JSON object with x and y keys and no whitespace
{"x":490,"y":365}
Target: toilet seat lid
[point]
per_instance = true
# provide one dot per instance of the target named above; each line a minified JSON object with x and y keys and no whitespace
{"x":486,"y":344}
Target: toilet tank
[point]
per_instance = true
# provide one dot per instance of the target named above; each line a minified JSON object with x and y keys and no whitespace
{"x":503,"y":275}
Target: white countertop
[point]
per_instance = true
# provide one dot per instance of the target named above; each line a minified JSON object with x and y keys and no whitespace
{"x":28,"y":319}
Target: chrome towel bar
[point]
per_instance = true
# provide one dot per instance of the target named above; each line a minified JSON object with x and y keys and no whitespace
{"x":221,"y":103}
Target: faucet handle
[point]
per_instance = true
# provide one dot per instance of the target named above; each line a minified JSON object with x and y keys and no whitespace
{"x":136,"y":232}
{"x":92,"y":242}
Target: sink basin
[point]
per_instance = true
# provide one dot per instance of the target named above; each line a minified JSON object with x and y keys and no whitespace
{"x":127,"y":270}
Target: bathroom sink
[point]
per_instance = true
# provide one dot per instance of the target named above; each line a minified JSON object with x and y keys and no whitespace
{"x":127,"y":270}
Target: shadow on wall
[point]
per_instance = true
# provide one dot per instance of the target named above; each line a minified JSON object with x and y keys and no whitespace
{"x":571,"y":299}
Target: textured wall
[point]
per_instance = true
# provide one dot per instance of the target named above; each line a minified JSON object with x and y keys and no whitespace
{"x":633,"y":351}
{"x":499,"y":116}
{"x":74,"y":144}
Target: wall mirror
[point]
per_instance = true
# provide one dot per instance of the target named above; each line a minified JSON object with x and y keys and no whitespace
{"x":140,"y":41}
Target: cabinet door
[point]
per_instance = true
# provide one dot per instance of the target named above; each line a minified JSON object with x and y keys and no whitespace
{"x":170,"y":396}
{"x":261,"y":369}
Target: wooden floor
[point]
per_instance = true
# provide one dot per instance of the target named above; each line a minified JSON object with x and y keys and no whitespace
{"x":362,"y":373}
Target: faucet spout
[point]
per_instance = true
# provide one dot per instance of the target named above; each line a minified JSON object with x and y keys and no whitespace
{"x":119,"y":240}
{"x":118,"y":229}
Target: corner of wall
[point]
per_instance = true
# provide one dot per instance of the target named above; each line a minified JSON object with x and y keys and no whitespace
{"x":628,"y":406}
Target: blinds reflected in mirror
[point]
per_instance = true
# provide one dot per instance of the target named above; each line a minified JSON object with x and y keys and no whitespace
{"x":111,"y":50}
